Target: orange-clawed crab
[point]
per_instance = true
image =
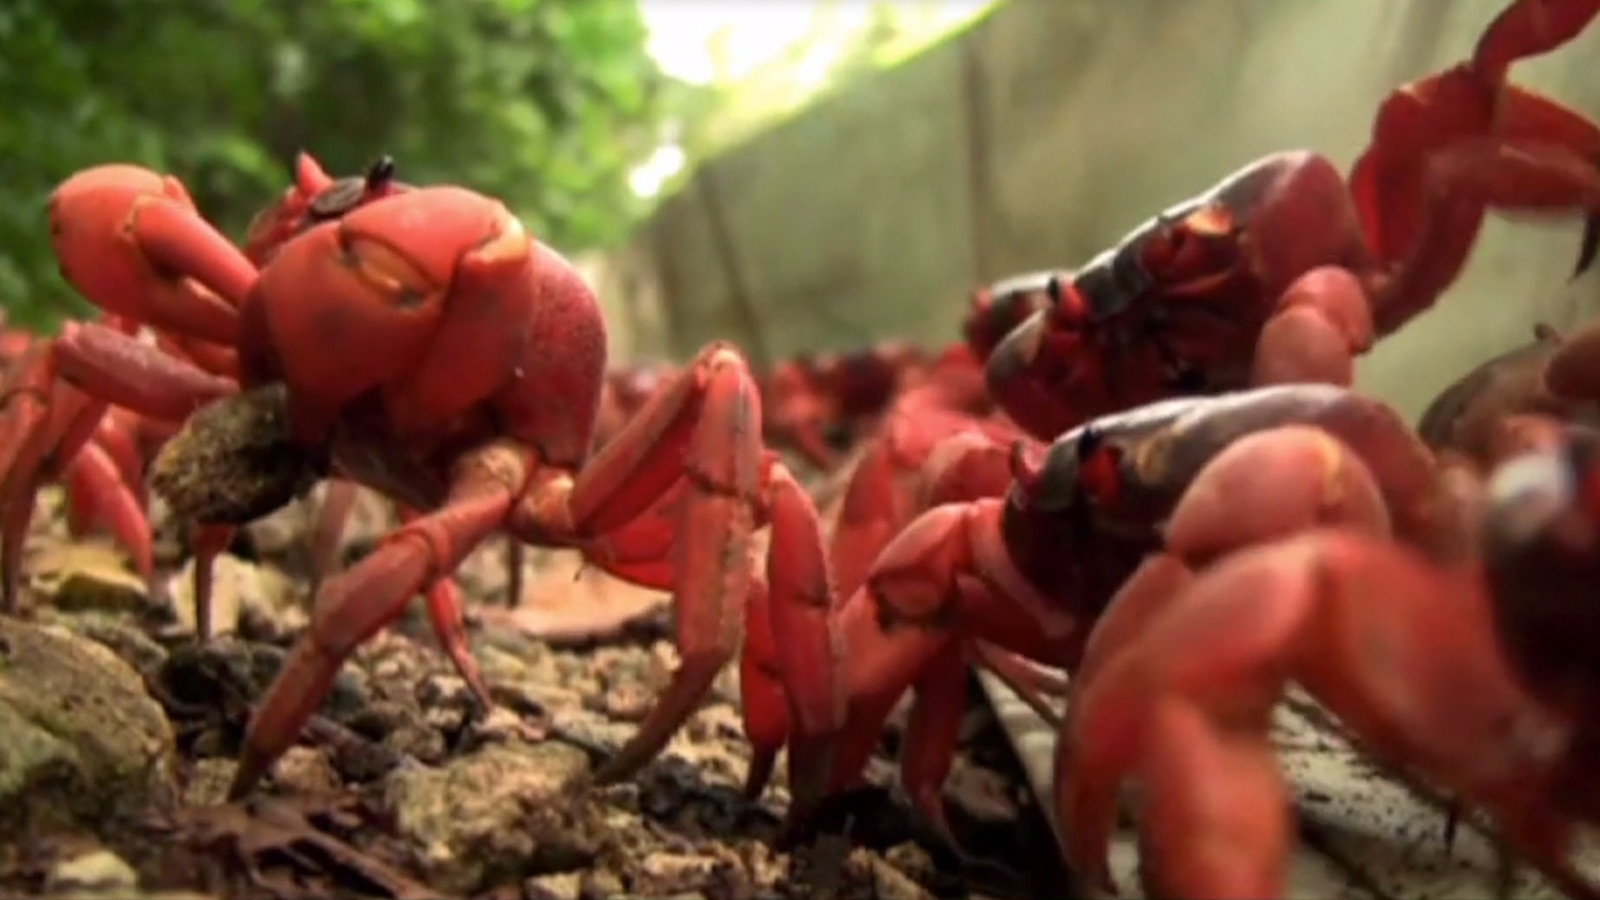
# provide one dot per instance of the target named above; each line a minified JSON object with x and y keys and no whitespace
{"x":125,"y":238}
{"x":1480,"y":675}
{"x":1087,"y":522}
{"x":425,"y":346}
{"x":1285,"y":271}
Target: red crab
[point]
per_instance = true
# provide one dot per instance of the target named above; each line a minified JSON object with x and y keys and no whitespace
{"x":479,"y":410}
{"x":1473,"y":421}
{"x":1481,"y":677}
{"x":887,"y":488}
{"x":814,"y":400}
{"x":1285,"y":272}
{"x":1498,"y":411}
{"x":121,"y":233}
{"x":1031,"y":570}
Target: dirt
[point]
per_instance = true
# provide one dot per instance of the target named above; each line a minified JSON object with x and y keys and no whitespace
{"x":401,"y":786}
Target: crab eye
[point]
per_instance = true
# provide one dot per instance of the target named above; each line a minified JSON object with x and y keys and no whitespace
{"x":380,"y":174}
{"x":1089,"y":443}
{"x":1099,"y":468}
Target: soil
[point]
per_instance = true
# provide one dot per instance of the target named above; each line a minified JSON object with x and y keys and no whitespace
{"x":403,"y":788}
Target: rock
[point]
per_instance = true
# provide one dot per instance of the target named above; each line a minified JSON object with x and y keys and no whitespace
{"x":124,"y":638}
{"x":207,"y":784}
{"x":887,"y":881}
{"x":98,"y":870}
{"x":671,"y":873}
{"x":83,"y":741}
{"x":285,"y":530}
{"x":561,"y":886}
{"x":600,"y":884}
{"x":85,"y":575}
{"x":628,"y":701}
{"x":499,"y":725}
{"x":305,"y":771}
{"x":501,"y":814}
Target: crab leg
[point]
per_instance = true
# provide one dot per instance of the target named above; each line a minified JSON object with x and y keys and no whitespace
{"x":704,"y":427}
{"x":446,"y":615}
{"x":362,"y":600}
{"x":944,"y":577}
{"x":80,"y":373}
{"x":337,"y":502}
{"x":1529,"y":28}
{"x":99,"y":493}
{"x":1449,"y":146}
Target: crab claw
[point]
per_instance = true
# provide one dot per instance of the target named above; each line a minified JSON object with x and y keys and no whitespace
{"x":131,"y":241}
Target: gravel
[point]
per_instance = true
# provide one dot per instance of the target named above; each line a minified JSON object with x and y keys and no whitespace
{"x":401,"y":786}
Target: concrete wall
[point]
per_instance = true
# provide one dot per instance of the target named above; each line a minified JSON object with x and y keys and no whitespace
{"x":1041,"y":136}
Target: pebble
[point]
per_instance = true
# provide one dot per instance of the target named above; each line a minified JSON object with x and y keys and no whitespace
{"x":97,"y":870}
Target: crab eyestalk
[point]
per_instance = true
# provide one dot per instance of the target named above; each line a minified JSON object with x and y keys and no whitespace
{"x":380,"y":175}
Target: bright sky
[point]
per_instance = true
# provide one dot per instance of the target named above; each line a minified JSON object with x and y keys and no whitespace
{"x":681,"y":32}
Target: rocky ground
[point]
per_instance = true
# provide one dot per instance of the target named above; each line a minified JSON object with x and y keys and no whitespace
{"x":119,"y":731}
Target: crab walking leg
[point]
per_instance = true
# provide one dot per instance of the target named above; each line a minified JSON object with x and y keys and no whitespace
{"x":362,"y":600}
{"x":446,"y":615}
{"x":761,"y":696}
{"x":98,"y":493}
{"x":1447,"y":146}
{"x":327,"y":534}
{"x":1530,"y":28}
{"x":932,"y":736}
{"x":703,"y":428}
{"x":55,"y":398}
{"x":946,"y":577}
{"x":119,"y":435}
{"x":790,"y":637}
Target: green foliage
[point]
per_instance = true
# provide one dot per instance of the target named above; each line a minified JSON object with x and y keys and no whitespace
{"x":546,"y":104}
